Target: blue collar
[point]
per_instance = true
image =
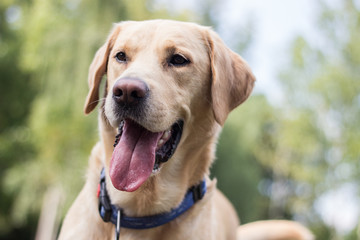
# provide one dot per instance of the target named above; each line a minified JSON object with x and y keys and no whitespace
{"x":111,"y":213}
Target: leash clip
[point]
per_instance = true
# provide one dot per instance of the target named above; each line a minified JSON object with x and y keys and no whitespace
{"x":117,"y":229}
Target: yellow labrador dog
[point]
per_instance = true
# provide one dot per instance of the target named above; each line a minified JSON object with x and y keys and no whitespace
{"x":169,"y":88}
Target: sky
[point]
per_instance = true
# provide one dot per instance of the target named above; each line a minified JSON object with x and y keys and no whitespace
{"x":277,"y":23}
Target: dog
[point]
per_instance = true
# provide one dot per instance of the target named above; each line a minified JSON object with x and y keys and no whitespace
{"x":169,"y":89}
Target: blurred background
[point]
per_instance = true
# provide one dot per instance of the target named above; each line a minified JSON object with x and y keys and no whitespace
{"x":291,"y":151}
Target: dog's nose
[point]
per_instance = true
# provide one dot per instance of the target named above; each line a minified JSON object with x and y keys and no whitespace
{"x":129,"y":91}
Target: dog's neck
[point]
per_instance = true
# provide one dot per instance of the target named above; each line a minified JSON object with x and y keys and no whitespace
{"x":153,"y":197}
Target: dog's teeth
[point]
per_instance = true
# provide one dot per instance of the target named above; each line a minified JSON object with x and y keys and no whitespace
{"x":160,"y":143}
{"x":166,"y":135}
{"x":164,"y":138}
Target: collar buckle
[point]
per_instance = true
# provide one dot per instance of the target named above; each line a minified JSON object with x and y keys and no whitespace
{"x":105,"y":209}
{"x":198,"y":191}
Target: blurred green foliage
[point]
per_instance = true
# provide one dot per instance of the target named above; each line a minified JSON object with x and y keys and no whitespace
{"x":272,"y":161}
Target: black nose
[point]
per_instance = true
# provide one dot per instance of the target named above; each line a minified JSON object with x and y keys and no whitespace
{"x":130,"y":91}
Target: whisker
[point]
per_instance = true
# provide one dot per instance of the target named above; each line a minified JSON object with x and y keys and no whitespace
{"x":97,"y":101}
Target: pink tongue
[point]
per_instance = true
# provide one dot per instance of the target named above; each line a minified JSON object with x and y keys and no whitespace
{"x":133,"y":158}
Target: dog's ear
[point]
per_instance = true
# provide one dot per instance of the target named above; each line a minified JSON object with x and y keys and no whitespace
{"x":232,"y":79}
{"x":98,"y":69}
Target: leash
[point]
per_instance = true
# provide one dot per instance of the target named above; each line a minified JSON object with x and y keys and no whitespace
{"x":113,"y":214}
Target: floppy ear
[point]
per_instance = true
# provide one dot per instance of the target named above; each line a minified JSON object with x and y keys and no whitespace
{"x":232,"y":79}
{"x":98,"y":69}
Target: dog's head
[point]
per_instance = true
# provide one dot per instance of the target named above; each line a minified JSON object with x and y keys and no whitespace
{"x":166,"y":81}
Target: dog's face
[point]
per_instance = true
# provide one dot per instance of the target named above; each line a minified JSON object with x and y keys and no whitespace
{"x":165,"y":80}
{"x":167,"y":70}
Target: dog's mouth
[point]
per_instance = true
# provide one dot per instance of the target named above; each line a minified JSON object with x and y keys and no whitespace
{"x":138,"y":153}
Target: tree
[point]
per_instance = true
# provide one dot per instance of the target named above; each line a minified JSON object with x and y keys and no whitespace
{"x":17,"y":92}
{"x":308,"y":146}
{"x":322,"y":83}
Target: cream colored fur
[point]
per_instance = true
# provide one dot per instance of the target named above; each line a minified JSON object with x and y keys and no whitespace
{"x":202,"y":94}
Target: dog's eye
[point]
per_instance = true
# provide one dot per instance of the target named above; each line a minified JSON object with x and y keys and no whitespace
{"x":178,"y":60}
{"x":121,"y":57}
